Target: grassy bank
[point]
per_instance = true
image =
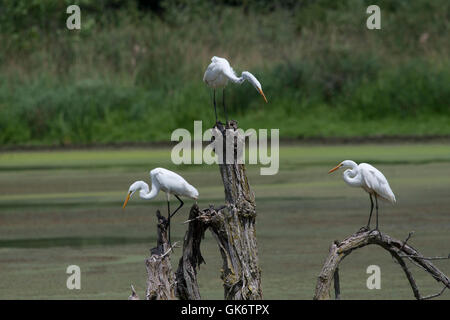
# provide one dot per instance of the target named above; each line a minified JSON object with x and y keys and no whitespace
{"x":133,"y":72}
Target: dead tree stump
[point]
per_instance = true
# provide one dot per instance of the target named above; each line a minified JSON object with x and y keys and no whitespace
{"x":232,"y":226}
{"x":186,"y":276}
{"x":160,"y":277}
{"x":399,"y":250}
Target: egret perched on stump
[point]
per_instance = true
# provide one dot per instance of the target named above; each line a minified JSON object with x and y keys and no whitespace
{"x":370,"y":179}
{"x":217,"y":75}
{"x":167,"y":181}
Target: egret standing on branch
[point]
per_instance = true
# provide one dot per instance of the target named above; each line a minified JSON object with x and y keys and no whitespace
{"x":217,"y":75}
{"x":370,"y":179}
{"x":167,"y":181}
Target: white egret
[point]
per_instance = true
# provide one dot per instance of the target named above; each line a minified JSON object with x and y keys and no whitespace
{"x":370,"y":179}
{"x":219,"y":72}
{"x":167,"y":181}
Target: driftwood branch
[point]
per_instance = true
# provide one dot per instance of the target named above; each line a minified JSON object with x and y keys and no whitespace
{"x":399,"y":250}
{"x":337,"y":285}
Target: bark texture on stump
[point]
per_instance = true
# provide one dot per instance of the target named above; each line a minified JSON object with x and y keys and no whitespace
{"x":233,"y":227}
{"x":399,"y":250}
{"x":160,"y":276}
{"x":187,"y":286}
{"x":234,"y":231}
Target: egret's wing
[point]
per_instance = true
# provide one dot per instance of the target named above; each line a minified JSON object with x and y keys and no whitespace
{"x":210,"y":75}
{"x":375,"y":180}
{"x":156,"y":177}
{"x":214,"y":75}
{"x":170,"y":181}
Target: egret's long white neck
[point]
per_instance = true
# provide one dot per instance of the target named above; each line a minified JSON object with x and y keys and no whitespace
{"x":244,"y":76}
{"x":234,"y":78}
{"x":353,"y":176}
{"x":144,"y":190}
{"x":145,"y":194}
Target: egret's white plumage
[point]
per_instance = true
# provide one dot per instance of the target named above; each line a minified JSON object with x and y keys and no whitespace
{"x":368,"y":178}
{"x":167,"y":181}
{"x":375,"y":182}
{"x":219,"y":72}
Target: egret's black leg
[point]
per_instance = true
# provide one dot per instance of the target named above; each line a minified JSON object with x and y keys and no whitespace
{"x":371,"y":210}
{"x":214,"y":100}
{"x":168,"y":218}
{"x":224,"y":108}
{"x":179,"y":207}
{"x":376,"y":206}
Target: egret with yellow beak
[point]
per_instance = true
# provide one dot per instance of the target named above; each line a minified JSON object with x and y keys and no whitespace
{"x":219,"y":72}
{"x":169,"y":182}
{"x":370,"y":179}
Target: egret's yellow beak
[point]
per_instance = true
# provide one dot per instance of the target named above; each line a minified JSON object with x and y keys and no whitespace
{"x":335,"y":168}
{"x":126,"y":200}
{"x":262,"y":93}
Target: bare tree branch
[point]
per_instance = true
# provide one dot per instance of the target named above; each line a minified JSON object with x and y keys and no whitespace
{"x":337,"y":285}
{"x":398,"y":249}
{"x":434,"y":295}
{"x":134,"y":295}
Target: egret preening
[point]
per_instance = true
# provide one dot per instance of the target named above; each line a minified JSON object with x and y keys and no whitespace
{"x":217,"y":75}
{"x":168,"y":182}
{"x":370,"y":179}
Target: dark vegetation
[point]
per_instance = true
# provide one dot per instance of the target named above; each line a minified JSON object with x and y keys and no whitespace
{"x":134,"y":70}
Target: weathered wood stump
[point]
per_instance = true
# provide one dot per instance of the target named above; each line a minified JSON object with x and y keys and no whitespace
{"x":232,"y":226}
{"x":187,"y":286}
{"x":160,"y":277}
{"x":399,"y":250}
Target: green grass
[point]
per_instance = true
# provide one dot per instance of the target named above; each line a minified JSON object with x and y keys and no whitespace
{"x":134,"y":74}
{"x":63,"y":208}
